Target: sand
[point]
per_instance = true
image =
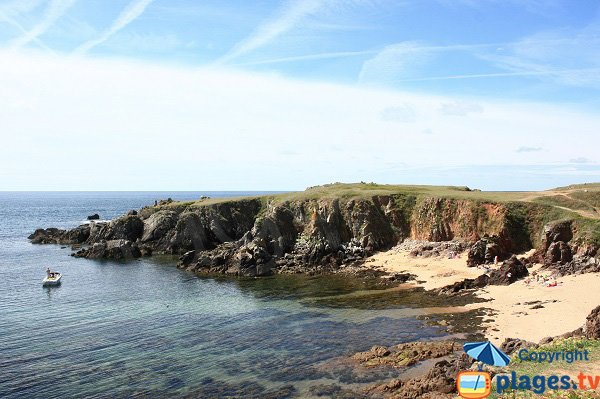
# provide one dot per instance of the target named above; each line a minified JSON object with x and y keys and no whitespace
{"x":432,"y":272}
{"x":565,"y":307}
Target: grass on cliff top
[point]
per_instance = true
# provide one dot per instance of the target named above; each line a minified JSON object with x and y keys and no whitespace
{"x":583,"y":200}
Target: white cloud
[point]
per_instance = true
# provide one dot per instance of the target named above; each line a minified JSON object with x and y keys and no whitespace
{"x":55,"y":10}
{"x":394,"y":62}
{"x":77,"y":123}
{"x":292,"y":13}
{"x":400,"y":113}
{"x":127,"y":16}
{"x":460,"y":108}
{"x":529,"y":149}
{"x":569,"y":57}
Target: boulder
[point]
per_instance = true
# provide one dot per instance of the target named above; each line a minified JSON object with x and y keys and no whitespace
{"x":50,"y":235}
{"x":112,"y":249}
{"x":558,"y":252}
{"x":78,"y":235}
{"x":466,"y":284}
{"x":486,"y":249}
{"x":510,"y":271}
{"x":158,"y":225}
{"x":592,"y":324}
{"x":95,"y":216}
{"x":439,"y":380}
{"x":557,"y":231}
{"x":512,"y":345}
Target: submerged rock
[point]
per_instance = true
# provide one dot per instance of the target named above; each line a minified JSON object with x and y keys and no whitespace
{"x":405,"y":355}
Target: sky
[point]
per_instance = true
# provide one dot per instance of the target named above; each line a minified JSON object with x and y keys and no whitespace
{"x":282,"y":95}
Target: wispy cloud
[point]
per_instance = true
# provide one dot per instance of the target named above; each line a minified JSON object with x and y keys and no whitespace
{"x":288,"y":17}
{"x":11,"y":21}
{"x":55,"y":10}
{"x":310,"y":57}
{"x":400,"y":62}
{"x":579,"y":160}
{"x":549,"y":72}
{"x":460,"y":108}
{"x":568,"y":56}
{"x":529,"y":149}
{"x":128,"y":15}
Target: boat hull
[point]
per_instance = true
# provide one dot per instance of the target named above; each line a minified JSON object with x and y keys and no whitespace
{"x":50,"y":282}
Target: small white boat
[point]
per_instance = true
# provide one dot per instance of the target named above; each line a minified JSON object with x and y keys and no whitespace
{"x":53,"y":279}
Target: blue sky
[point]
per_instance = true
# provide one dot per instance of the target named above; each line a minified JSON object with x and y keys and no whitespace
{"x":176,"y":95}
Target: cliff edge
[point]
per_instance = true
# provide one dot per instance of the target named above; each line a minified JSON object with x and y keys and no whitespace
{"x":325,"y":228}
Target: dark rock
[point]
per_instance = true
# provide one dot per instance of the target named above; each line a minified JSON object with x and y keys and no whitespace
{"x":52,"y":235}
{"x":486,"y":249}
{"x":46,"y":236}
{"x":132,"y":212}
{"x":126,"y":227}
{"x":187,"y":258}
{"x":510,"y":271}
{"x":592,"y":324}
{"x":578,"y":265}
{"x":558,"y":252}
{"x":439,"y":381}
{"x":405,"y":355}
{"x":575,"y":333}
{"x":95,"y":216}
{"x":512,"y":345}
{"x":557,"y":231}
{"x":466,"y":284}
{"x":402,"y":277}
{"x":112,"y":249}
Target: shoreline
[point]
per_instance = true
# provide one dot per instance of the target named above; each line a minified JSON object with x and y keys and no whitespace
{"x":526,"y":311}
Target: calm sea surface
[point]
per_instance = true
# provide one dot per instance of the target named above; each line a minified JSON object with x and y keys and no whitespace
{"x":147,"y":329}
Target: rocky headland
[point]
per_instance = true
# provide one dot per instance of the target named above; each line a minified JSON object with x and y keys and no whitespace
{"x":333,"y":228}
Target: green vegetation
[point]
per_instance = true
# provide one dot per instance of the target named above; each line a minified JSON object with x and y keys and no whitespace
{"x":526,"y":212}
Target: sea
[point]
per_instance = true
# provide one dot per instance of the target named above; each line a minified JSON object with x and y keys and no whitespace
{"x":145,"y":329}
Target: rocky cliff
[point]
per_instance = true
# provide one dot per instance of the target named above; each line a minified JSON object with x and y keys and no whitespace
{"x":323,"y":228}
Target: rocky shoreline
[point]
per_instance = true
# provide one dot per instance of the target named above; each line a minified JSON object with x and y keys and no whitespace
{"x":262,"y":236}
{"x":268,"y":235}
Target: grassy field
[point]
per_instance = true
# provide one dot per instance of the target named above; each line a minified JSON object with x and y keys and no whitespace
{"x":580,"y":199}
{"x":585,"y":196}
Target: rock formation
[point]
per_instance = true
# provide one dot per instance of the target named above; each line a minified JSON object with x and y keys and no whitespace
{"x":318,"y":232}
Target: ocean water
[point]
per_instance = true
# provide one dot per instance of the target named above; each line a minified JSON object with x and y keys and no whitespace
{"x":146,"y":329}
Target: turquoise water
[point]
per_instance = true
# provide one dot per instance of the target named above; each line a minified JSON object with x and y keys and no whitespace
{"x":147,"y":329}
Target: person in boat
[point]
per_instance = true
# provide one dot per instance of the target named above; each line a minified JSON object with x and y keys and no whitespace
{"x":49,"y":273}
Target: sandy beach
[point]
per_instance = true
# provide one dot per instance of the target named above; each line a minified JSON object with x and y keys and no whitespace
{"x":527,"y":311}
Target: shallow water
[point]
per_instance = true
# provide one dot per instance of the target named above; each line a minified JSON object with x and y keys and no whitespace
{"x":147,"y":329}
